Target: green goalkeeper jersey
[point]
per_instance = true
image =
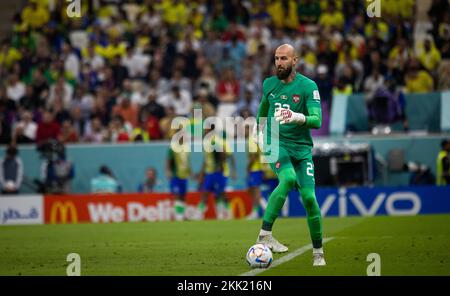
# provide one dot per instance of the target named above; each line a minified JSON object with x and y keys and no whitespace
{"x":301,"y":95}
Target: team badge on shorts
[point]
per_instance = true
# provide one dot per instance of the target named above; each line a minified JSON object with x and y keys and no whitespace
{"x":277,"y":165}
{"x":296,"y":98}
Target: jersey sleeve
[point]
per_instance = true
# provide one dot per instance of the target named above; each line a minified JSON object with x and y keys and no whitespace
{"x":314,"y":110}
{"x":263,"y":109}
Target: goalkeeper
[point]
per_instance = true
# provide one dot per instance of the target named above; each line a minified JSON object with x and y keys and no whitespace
{"x":294,"y":101}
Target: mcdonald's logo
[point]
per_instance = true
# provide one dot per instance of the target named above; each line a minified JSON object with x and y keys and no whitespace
{"x":64,"y":209}
{"x":238,"y":203}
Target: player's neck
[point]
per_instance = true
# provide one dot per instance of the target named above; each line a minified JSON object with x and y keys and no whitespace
{"x":290,"y":78}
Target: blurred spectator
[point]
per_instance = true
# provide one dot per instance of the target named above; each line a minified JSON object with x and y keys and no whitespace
{"x":309,"y":11}
{"x":180,"y":99}
{"x":429,"y":55}
{"x":443,"y":164}
{"x":30,"y":100}
{"x":227,"y":94}
{"x":136,"y":63}
{"x":150,"y":183}
{"x":248,"y":102}
{"x":11,"y":171}
{"x":26,"y":129}
{"x":332,"y":17}
{"x":140,"y":133}
{"x":372,"y":83}
{"x":119,"y":72}
{"x":284,"y":14}
{"x":15,"y":89}
{"x":105,"y":182}
{"x":60,"y":90}
{"x":71,"y":61}
{"x":324,"y":83}
{"x":95,"y":131}
{"x":207,"y":79}
{"x":417,"y":80}
{"x":92,"y":58}
{"x":166,"y":121}
{"x":48,"y":128}
{"x":56,"y":170}
{"x":386,"y":105}
{"x":212,"y":47}
{"x":35,"y":15}
{"x":153,"y":107}
{"x":67,"y":134}
{"x":128,"y":111}
{"x":342,"y":88}
{"x":119,"y":130}
{"x":180,"y":81}
{"x":202,"y":102}
{"x":444,"y":76}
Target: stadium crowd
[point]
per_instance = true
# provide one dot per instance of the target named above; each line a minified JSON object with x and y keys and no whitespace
{"x":124,"y":69}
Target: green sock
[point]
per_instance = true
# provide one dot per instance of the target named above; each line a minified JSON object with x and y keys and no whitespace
{"x":201,"y":206}
{"x":179,"y":207}
{"x":287,"y":181}
{"x":314,"y":217}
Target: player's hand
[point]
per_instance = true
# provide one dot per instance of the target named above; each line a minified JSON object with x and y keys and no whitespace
{"x":284,"y":115}
{"x":258,"y":136}
{"x":255,"y":133}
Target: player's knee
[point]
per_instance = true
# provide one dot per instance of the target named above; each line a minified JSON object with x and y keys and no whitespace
{"x":309,"y":199}
{"x":289,"y":180}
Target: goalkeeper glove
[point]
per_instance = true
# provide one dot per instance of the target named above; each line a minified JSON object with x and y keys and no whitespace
{"x":284,"y":115}
{"x":258,"y":136}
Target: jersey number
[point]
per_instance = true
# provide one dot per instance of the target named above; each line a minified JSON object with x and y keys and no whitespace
{"x":286,"y":106}
{"x":310,"y":169}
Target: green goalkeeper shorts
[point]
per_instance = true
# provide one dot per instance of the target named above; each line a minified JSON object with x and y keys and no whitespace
{"x":298,"y":157}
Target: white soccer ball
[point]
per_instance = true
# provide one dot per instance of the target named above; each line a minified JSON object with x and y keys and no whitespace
{"x":259,"y":256}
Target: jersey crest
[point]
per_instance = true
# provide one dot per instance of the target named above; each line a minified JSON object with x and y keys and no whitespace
{"x":296,"y":98}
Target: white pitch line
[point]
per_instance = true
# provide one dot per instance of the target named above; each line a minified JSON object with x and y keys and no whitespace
{"x":284,"y":259}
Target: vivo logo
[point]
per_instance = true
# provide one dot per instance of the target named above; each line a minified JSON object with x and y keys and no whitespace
{"x":389,"y":202}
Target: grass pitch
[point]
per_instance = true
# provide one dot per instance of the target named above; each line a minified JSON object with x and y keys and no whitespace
{"x":417,"y":245}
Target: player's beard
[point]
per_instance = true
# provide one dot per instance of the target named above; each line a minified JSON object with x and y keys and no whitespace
{"x":284,"y":73}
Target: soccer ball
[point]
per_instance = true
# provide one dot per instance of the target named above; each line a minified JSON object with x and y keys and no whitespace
{"x":259,"y":256}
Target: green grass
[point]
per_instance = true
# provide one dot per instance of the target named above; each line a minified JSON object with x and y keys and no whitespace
{"x":418,"y":245}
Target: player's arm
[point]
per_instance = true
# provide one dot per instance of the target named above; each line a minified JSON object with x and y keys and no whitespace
{"x":264,"y":105}
{"x":313,"y":117}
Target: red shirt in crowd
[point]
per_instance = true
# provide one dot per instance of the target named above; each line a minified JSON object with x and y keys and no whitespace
{"x":47,"y":131}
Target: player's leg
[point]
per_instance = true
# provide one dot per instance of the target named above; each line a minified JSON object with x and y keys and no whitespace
{"x":223,"y":206}
{"x":287,"y":181}
{"x":254,"y":183}
{"x":208,"y":186}
{"x":305,"y":178}
{"x":180,"y":199}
